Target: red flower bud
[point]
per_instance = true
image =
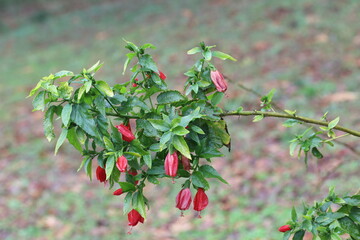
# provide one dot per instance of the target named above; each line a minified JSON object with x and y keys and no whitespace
{"x":134,"y":84}
{"x":186,"y":163}
{"x":200,"y":201}
{"x":218,"y":80}
{"x":183,"y":200}
{"x":162,"y":75}
{"x":171,"y":164}
{"x":133,"y":173}
{"x":134,"y":218}
{"x":126,"y":133}
{"x":118,"y":192}
{"x":101,"y":174}
{"x":284,"y":228}
{"x":122,"y":164}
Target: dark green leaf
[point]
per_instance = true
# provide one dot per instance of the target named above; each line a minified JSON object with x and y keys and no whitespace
{"x":199,"y":181}
{"x":108,"y":144}
{"x":286,"y":235}
{"x":147,"y":63}
{"x":139,"y":204}
{"x":73,"y":139}
{"x":127,"y":202}
{"x":110,"y":163}
{"x":291,"y":122}
{"x":158,"y":170}
{"x":153,"y":180}
{"x":180,"y":144}
{"x":355,"y":214}
{"x":350,"y":227}
{"x":217,"y":97}
{"x":148,"y":160}
{"x":299,"y":235}
{"x":169,"y":97}
{"x":353,"y":200}
{"x":149,"y":130}
{"x":127,"y":187}
{"x":316,"y":153}
{"x":100,"y":104}
{"x":210,"y":172}
{"x":65,"y":114}
{"x":81,"y":116}
{"x":159,"y":124}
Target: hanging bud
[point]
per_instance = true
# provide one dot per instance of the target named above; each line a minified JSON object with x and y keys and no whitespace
{"x":171,"y":165}
{"x":186,"y":163}
{"x":118,"y":192}
{"x":218,"y":80}
{"x":101,"y":174}
{"x":285,"y":228}
{"x":134,"y":218}
{"x":200,"y":201}
{"x":133,"y":173}
{"x":135,"y":84}
{"x":162,"y":75}
{"x":126,"y":133}
{"x":183,"y":200}
{"x":122,"y":163}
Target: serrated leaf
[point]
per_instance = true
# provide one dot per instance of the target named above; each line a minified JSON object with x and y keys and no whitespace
{"x":104,"y":88}
{"x":333,"y":123}
{"x":223,"y":56}
{"x":39,"y":101}
{"x":61,"y":139}
{"x":210,"y":172}
{"x":180,"y":144}
{"x":199,"y":181}
{"x":169,"y":97}
{"x":65,"y":114}
{"x":110,"y":163}
{"x":48,"y":123}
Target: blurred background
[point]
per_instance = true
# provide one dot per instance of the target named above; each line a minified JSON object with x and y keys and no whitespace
{"x":308,"y":50}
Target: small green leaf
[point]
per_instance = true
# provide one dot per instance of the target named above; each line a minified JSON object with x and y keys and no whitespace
{"x":153,"y":179}
{"x":95,"y":67}
{"x":147,"y":45}
{"x":108,"y":144}
{"x":258,"y":118}
{"x":148,"y":160}
{"x":130,"y":56}
{"x":316,"y":153}
{"x":291,"y":122}
{"x":147,"y":63}
{"x":217,"y":97}
{"x":88,"y":167}
{"x":73,"y":139}
{"x":194,"y":50}
{"x":290,"y":112}
{"x":299,"y":235}
{"x":110,"y":163}
{"x":287,"y":235}
{"x":83,"y":162}
{"x":61,"y":139}
{"x":48,"y":123}
{"x":197,"y":129}
{"x":138,"y":203}
{"x":104,"y":88}
{"x":210,"y":172}
{"x":159,"y":124}
{"x":333,"y":123}
{"x":293,"y":215}
{"x":180,"y":144}
{"x":165,"y":138}
{"x":223,"y":56}
{"x":127,"y":187}
{"x":207,"y":54}
{"x":180,"y":130}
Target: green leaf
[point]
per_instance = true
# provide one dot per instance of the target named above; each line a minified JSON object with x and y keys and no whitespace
{"x":168,"y":97}
{"x":61,"y":139}
{"x":219,"y":129}
{"x":180,"y":144}
{"x":88,"y":167}
{"x":355,"y":214}
{"x":333,"y":123}
{"x":316,"y":153}
{"x":210,"y":172}
{"x":108,"y":144}
{"x":180,"y":130}
{"x":197,"y":129}
{"x":258,"y":118}
{"x":95,"y":67}
{"x":217,"y":97}
{"x":153,"y":179}
{"x":104,"y":88}
{"x":131,"y":46}
{"x":199,"y":181}
{"x":100,"y":104}
{"x":148,"y":160}
{"x":63,"y":73}
{"x":73,"y":139}
{"x":127,"y":203}
{"x":194,"y":50}
{"x":130,"y":56}
{"x":65,"y":114}
{"x":291,"y":122}
{"x":147,"y":45}
{"x":286,"y":235}
{"x":83,"y":162}
{"x":159,"y":124}
{"x":39,"y":101}
{"x":350,"y":227}
{"x":139,"y":204}
{"x":81,"y":92}
{"x":48,"y":123}
{"x":81,"y":116}
{"x":290,"y":112}
{"x":293,"y":215}
{"x":222,"y":56}
{"x":165,"y":138}
{"x":293,"y":146}
{"x":110,"y":163}
{"x":147,"y":63}
{"x":127,"y":187}
{"x":299,"y":235}
{"x":207,"y":54}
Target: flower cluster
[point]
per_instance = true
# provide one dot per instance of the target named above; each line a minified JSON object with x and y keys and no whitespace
{"x":183,"y":200}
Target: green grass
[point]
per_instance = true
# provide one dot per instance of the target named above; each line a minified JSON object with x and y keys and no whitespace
{"x":295,"y":46}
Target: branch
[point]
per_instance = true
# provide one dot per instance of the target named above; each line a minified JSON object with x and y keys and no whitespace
{"x":288,"y":116}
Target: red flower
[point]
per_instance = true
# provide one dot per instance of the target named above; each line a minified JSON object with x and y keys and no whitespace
{"x":183,"y":200}
{"x":122,"y":164}
{"x":218,"y":80}
{"x":118,"y":192}
{"x":171,"y":164}
{"x":162,"y":75}
{"x":186,"y":163}
{"x":200,"y":201}
{"x":101,"y":174}
{"x":284,"y":228}
{"x":134,"y":218}
{"x":126,"y":133}
{"x":133,"y":173}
